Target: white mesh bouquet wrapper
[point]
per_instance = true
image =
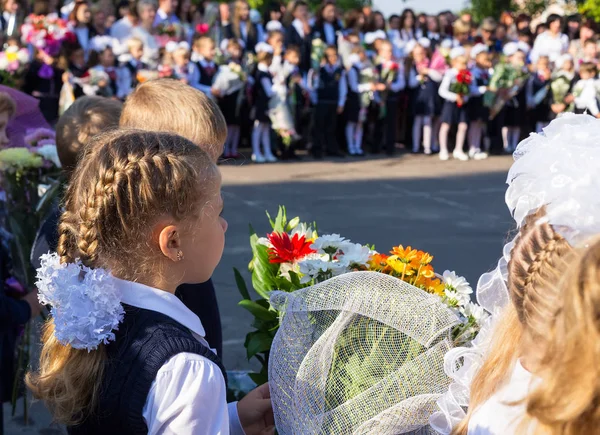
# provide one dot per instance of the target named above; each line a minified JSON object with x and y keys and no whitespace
{"x":558,"y":170}
{"x":361,"y":353}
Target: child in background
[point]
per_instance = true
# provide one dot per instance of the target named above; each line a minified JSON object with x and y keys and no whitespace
{"x":230,"y":84}
{"x":262,"y":93}
{"x":139,"y":265}
{"x":275,"y":40}
{"x":329,"y":93}
{"x":104,"y":79}
{"x":478,"y":113}
{"x":586,"y":90}
{"x":562,"y":84}
{"x":455,"y":109}
{"x":590,"y":51}
{"x":391,"y":75}
{"x":357,"y":100}
{"x":131,"y":66}
{"x":44,"y":80}
{"x":539,"y":97}
{"x":298,"y":95}
{"x":205,"y":68}
{"x":423,"y":95}
{"x":182,"y":67}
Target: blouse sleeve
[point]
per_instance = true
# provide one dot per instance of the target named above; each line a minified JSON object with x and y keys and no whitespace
{"x":445,"y":89}
{"x":188,"y":396}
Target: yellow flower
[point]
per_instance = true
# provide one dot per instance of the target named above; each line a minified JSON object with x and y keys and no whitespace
{"x":399,"y":266}
{"x":11,"y":56}
{"x":434,"y":286}
{"x":424,"y":258}
{"x":14,"y":159}
{"x":378,"y":263}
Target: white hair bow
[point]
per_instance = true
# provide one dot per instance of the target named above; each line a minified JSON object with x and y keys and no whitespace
{"x":171,"y":46}
{"x":263,"y":47}
{"x":274,"y":26}
{"x":85,"y":302}
{"x":101,"y":43}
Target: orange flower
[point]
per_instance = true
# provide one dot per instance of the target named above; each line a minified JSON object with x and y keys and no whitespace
{"x":378,"y":263}
{"x":434,"y":286}
{"x":427,"y":271}
{"x":424,"y":258}
{"x":405,"y":255}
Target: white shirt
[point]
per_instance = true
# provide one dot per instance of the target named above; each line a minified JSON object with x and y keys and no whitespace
{"x":587,"y":91}
{"x":497,"y":416}
{"x":551,"y":46}
{"x":11,"y":22}
{"x":163,"y":18}
{"x":299,"y":27}
{"x":121,"y":30}
{"x":188,"y":395}
{"x":353,"y":80}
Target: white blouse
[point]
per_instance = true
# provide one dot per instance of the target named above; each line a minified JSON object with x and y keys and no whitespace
{"x":497,"y":416}
{"x":188,"y":395}
{"x":551,"y":46}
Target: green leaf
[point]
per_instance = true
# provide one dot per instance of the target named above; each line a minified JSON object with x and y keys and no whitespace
{"x":271,"y":221}
{"x":257,"y":342}
{"x":295,"y":280}
{"x":280,"y":220}
{"x":22,"y":249}
{"x":257,"y":310}
{"x":259,"y":378}
{"x":241,"y":284}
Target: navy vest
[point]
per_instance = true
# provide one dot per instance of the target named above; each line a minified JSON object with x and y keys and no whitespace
{"x":328,"y":90}
{"x":206,"y":77}
{"x":145,"y":341}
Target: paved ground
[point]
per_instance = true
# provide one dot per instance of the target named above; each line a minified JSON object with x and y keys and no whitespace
{"x":454,"y":210}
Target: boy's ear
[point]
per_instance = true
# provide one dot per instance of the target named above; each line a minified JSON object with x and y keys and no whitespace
{"x":169,"y":242}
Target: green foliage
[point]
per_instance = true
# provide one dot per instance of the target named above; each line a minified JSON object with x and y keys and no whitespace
{"x":489,"y":8}
{"x":591,"y":9}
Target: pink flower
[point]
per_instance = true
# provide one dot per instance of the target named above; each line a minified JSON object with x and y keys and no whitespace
{"x":202,"y":28}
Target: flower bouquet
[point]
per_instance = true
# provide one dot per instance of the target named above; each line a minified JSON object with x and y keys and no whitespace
{"x":293,"y":256}
{"x":29,"y":180}
{"x":368,"y":74}
{"x":462,"y":83}
{"x":316,"y":53}
{"x":168,"y":32}
{"x":14,"y":60}
{"x":95,"y":81}
{"x":560,"y":86}
{"x":46,"y":32}
{"x":505,"y":84}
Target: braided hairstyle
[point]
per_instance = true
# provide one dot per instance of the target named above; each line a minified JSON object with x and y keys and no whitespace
{"x":123,"y":183}
{"x":537,"y":261}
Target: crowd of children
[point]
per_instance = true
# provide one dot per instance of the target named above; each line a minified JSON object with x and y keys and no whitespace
{"x":336,"y":83}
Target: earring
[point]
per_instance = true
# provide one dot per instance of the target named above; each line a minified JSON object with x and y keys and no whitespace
{"x":179,"y":255}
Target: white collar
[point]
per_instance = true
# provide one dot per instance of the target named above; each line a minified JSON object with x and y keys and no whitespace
{"x":262,"y":67}
{"x":299,"y":27}
{"x":148,"y":298}
{"x":162,"y":14}
{"x":205,"y":62}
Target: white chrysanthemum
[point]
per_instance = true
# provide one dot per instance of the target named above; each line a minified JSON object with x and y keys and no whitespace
{"x":456,"y":287}
{"x":23,"y":56}
{"x":3,"y":63}
{"x":354,"y":254}
{"x":328,"y":242}
{"x":85,"y":302}
{"x":475,"y":311}
{"x":303,"y":229}
{"x":49,"y":152}
{"x":311,"y":268}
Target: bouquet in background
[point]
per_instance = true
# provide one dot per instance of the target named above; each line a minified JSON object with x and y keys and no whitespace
{"x":316,"y":53}
{"x":505,"y":84}
{"x":462,"y":84}
{"x":144,"y":75}
{"x":368,"y":74}
{"x":14,"y":60}
{"x":293,"y":256}
{"x":95,"y":81}
{"x":168,"y":32}
{"x":389,"y":73}
{"x":29,"y":178}
{"x":47,"y":32}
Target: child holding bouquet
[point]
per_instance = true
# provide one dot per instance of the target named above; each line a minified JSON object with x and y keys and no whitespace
{"x":538,"y":94}
{"x":587,"y":90}
{"x":103,"y":78}
{"x":562,"y":84}
{"x":262,"y":93}
{"x":455,"y":89}
{"x":478,"y":113}
{"x":230,"y":85}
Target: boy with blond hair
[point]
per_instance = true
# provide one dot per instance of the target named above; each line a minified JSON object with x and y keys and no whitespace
{"x":169,"y":105}
{"x":131,"y":66}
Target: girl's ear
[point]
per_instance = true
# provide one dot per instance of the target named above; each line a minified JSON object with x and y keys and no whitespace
{"x":169,"y":242}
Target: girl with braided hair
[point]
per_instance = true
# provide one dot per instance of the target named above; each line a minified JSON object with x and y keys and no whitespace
{"x":122,"y":354}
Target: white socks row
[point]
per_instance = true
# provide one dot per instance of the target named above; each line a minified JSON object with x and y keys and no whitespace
{"x":422,"y":123}
{"x":262,"y":135}
{"x":510,"y":138}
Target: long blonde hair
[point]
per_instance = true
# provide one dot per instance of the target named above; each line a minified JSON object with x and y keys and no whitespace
{"x":537,"y":259}
{"x":236,"y":20}
{"x":125,"y":180}
{"x":567,"y":402}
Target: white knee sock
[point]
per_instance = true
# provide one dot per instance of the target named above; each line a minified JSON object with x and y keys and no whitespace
{"x":358,"y":136}
{"x":461,"y":135}
{"x":417,"y":126}
{"x":475,"y":136}
{"x":266,"y":140}
{"x":427,"y":134}
{"x":505,"y":135}
{"x":350,"y":138}
{"x":256,"y":136}
{"x":444,"y":130}
{"x":235,"y":139}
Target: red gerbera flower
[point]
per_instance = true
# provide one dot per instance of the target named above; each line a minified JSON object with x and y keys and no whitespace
{"x":286,"y":249}
{"x":464,"y":77}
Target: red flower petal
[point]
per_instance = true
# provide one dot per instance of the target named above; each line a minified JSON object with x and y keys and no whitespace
{"x":286,"y":249}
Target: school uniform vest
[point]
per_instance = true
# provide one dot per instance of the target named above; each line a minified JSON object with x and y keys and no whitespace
{"x":206,"y":75}
{"x":144,"y":342}
{"x":328,"y":90}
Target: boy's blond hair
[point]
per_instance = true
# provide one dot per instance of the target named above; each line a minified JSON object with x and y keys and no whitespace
{"x":169,"y":105}
{"x":134,"y":42}
{"x":202,"y":41}
{"x":7,"y":104}
{"x":87,"y":117}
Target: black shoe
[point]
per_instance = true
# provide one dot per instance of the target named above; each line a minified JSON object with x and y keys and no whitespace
{"x":337,"y":154}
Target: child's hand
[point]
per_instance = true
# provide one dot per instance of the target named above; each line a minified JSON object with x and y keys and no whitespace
{"x":340,"y":110}
{"x":598,"y":116}
{"x":380,"y":87}
{"x":460,"y":100}
{"x":558,"y":107}
{"x":256,"y":412}
{"x":32,"y":299}
{"x":65,"y":77}
{"x":102,"y":83}
{"x":569,"y":99}
{"x":215,"y":92}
